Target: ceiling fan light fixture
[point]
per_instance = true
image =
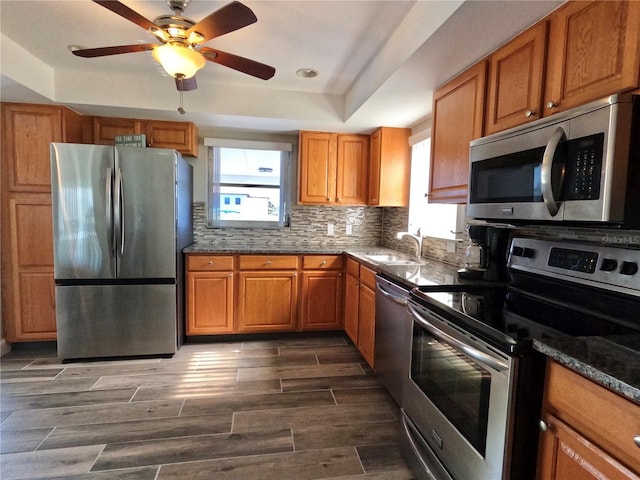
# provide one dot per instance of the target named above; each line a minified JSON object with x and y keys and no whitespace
{"x":179,"y":60}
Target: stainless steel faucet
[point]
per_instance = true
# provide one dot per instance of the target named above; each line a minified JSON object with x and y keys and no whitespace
{"x":417,"y":239}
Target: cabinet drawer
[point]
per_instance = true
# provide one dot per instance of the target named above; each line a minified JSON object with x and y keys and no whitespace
{"x":315,"y":262}
{"x":209,"y":262}
{"x":353,"y":268}
{"x":268,"y":262}
{"x":603,"y":417}
{"x":368,"y":277}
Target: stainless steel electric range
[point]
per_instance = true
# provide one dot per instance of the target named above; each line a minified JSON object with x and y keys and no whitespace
{"x":473,"y":396}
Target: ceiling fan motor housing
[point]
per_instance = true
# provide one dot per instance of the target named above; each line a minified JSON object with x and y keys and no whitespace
{"x":178,"y":5}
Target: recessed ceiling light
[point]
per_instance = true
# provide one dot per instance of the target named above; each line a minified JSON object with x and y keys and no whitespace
{"x":307,"y":73}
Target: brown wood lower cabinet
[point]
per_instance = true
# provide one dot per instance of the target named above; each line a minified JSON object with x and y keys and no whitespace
{"x":209,"y":294}
{"x":360,"y":308}
{"x":588,"y":431}
{"x":322,"y":293}
{"x":267,"y":301}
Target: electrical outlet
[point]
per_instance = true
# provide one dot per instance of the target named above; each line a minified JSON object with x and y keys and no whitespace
{"x":330,"y":229}
{"x":451,"y":247}
{"x":349,"y":229}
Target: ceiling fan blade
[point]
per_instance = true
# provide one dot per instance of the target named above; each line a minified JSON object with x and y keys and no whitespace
{"x":104,"y":51}
{"x":241,"y":64}
{"x":186,"y":84}
{"x":125,"y":12}
{"x":227,"y":19}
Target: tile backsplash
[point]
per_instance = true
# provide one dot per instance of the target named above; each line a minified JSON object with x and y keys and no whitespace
{"x":308,"y":228}
{"x":378,"y":226}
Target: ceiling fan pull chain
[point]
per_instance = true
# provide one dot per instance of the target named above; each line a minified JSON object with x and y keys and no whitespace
{"x":180,"y":80}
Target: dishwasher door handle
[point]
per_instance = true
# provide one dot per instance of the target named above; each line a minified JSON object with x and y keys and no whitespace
{"x":396,"y":298}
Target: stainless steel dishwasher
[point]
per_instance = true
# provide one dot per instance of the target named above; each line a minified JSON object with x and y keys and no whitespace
{"x":393,"y":336}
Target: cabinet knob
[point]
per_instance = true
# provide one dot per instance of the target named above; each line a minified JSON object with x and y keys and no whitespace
{"x":328,"y":199}
{"x":636,"y":440}
{"x":338,"y":199}
{"x":529,"y":113}
{"x":324,"y":262}
{"x":268,"y":262}
{"x":210,"y":262}
{"x":230,"y":275}
{"x":543,"y":426}
{"x":551,"y":104}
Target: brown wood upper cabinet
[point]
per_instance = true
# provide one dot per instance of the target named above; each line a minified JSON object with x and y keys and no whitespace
{"x":458,"y":113}
{"x":389,"y":167}
{"x":332,"y":168}
{"x":516,"y":79}
{"x":181,"y":136}
{"x":594,"y":51}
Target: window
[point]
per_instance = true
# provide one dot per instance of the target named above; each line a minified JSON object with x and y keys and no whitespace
{"x":433,"y":219}
{"x":249,"y":183}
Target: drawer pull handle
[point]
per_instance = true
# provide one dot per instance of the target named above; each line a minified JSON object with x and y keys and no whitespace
{"x":636,"y":440}
{"x":543,"y":426}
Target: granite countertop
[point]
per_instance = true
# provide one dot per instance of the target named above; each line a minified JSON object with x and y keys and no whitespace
{"x":613,"y":362}
{"x":428,"y":273}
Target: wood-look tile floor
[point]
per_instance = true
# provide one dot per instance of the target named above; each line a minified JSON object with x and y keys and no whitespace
{"x":295,"y":408}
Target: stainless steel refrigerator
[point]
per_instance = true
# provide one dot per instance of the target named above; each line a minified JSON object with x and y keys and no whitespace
{"x":121,"y":217}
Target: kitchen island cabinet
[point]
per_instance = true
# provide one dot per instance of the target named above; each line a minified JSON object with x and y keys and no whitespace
{"x":209,"y":294}
{"x":321,"y":292}
{"x":267,"y":293}
{"x":28,"y":295}
{"x":588,"y":431}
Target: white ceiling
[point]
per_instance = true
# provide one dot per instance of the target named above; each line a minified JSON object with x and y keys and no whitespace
{"x":379,"y":61}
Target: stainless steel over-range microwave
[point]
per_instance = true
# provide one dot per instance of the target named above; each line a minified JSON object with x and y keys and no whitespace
{"x":579,"y":166}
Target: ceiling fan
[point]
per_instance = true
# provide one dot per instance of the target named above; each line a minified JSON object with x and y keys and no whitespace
{"x":181,"y":52}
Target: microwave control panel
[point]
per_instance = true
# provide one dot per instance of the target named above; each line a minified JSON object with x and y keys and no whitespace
{"x":584,"y":167}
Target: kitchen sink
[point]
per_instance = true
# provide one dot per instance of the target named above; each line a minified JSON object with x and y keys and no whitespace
{"x":393,"y":259}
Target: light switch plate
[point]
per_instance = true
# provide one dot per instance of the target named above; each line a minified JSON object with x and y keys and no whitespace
{"x":349,"y":229}
{"x":330,"y":229}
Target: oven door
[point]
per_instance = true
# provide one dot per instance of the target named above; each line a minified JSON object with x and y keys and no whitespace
{"x":458,"y":399}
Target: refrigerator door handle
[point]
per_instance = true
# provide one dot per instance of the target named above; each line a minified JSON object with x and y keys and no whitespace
{"x":119,"y":209}
{"x":109,"y":211}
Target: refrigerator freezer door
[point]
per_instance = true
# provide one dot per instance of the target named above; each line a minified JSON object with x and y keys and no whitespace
{"x":148,"y":203}
{"x":79,"y":192}
{"x":115,"y":320}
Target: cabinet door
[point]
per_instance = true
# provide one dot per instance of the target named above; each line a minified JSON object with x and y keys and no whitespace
{"x":181,"y":136}
{"x":351,"y":307}
{"x":27,"y":131}
{"x":267,"y":301}
{"x":390,"y":167}
{"x":353,"y":155}
{"x":565,"y":454}
{"x":105,"y":129}
{"x":458,"y":112}
{"x":367,"y":323}
{"x":594,"y":51}
{"x":209,"y":303}
{"x":317,"y":167}
{"x":515,"y":80}
{"x":28,"y":264}
{"x":321,"y":300}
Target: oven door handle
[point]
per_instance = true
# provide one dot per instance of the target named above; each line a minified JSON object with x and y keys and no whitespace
{"x":474,"y":353}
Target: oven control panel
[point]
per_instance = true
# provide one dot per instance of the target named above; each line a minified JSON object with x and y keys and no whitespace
{"x":614,"y":268}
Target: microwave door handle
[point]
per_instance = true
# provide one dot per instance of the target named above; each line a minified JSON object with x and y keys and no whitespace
{"x":545,"y":175}
{"x":474,"y":353}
